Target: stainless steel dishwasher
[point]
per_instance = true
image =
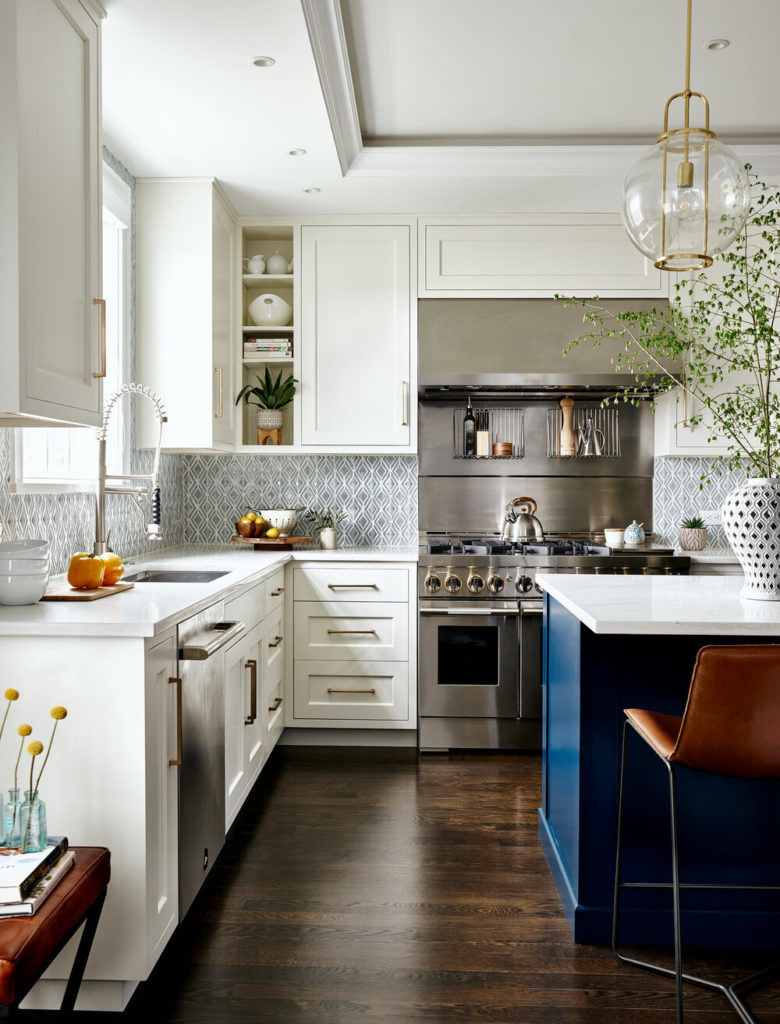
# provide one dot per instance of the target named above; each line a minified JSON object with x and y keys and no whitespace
{"x":201,"y":640}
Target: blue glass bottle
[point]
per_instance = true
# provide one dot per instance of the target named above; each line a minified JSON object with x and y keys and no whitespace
{"x":33,"y":823}
{"x":12,"y":820}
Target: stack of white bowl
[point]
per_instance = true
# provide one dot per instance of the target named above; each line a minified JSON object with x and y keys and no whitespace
{"x":24,"y":571}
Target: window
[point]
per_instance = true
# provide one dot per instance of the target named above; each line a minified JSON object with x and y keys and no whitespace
{"x":63,"y":458}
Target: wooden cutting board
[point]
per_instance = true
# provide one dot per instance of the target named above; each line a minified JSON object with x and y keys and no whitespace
{"x":65,"y":592}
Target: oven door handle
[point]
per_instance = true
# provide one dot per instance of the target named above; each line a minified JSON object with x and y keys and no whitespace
{"x":469,"y":611}
{"x":532,"y":611}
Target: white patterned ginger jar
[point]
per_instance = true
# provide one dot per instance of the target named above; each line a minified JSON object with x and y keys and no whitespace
{"x":751,"y":521}
{"x":634,"y":534}
{"x":270,"y":310}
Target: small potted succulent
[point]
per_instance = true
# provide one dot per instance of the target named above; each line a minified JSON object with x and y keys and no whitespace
{"x":270,"y":396}
{"x":324,"y":522}
{"x":692,"y":535}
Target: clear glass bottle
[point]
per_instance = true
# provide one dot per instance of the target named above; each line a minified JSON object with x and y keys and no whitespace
{"x":33,"y":823}
{"x":12,"y":819}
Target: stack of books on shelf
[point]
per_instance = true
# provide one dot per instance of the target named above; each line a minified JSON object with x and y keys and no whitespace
{"x":259,"y":348}
{"x":27,"y":879}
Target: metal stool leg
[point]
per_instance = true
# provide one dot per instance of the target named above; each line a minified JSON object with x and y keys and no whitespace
{"x":82,"y":954}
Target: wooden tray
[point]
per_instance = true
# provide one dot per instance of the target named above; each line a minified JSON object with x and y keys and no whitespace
{"x":65,"y":592}
{"x":272,"y":542}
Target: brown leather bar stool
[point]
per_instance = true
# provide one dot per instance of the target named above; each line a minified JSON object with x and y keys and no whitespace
{"x":731,"y":726}
{"x":29,"y":944}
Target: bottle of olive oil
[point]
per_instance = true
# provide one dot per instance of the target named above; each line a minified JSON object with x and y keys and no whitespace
{"x":469,"y":431}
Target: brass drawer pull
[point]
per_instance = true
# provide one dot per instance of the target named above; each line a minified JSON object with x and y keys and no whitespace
{"x":277,"y":592}
{"x":353,"y":586}
{"x":251,"y":664}
{"x":277,"y":640}
{"x":102,"y":371}
{"x":277,"y":703}
{"x":368,"y":632}
{"x":219,"y":415}
{"x":176,"y":681}
{"x":372,"y":690}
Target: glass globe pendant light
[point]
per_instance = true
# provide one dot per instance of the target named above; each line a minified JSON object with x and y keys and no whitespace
{"x":687,"y":197}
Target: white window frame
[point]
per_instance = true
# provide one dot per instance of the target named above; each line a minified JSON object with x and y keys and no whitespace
{"x":117,"y":213}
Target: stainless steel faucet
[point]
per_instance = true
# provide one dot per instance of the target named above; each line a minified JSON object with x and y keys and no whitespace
{"x":152,"y":525}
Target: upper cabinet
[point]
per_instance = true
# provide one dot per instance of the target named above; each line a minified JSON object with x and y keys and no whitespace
{"x":358,"y":320}
{"x":533,"y":256}
{"x":51,"y":342}
{"x":185,"y":311}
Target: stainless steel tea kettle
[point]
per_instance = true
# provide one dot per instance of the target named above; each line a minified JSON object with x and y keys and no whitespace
{"x":520,"y":523}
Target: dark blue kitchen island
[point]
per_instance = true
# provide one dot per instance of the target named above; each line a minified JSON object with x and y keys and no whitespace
{"x":632,"y":642}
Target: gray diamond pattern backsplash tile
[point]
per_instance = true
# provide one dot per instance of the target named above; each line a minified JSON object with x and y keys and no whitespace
{"x":677,"y":495}
{"x":378,"y":491}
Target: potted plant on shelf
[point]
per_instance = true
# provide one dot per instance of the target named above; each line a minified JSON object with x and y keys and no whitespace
{"x":718,"y":342}
{"x":692,"y":534}
{"x":270,"y":396}
{"x":324,"y":522}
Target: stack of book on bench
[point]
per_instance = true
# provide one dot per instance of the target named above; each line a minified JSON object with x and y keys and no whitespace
{"x":27,"y":879}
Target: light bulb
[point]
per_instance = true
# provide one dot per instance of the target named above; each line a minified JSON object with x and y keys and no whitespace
{"x":687,"y":203}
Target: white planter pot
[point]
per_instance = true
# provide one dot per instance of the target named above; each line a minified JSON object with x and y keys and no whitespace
{"x":692,"y":539}
{"x":329,"y":538}
{"x":751,"y":521}
{"x":269,"y":418}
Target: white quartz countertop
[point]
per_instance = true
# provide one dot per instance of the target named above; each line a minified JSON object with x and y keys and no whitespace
{"x":703,"y":605}
{"x":151,"y":608}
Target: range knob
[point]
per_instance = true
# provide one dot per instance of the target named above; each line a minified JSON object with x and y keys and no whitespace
{"x":495,"y":584}
{"x":432,"y":583}
{"x":538,"y":589}
{"x":475,"y":583}
{"x":524,"y":584}
{"x":452,"y":583}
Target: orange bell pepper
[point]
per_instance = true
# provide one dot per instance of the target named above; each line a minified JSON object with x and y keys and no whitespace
{"x":115,"y":570}
{"x":85,"y":571}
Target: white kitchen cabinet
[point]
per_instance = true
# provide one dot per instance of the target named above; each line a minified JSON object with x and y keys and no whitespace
{"x":244,"y":752}
{"x":675,"y":435}
{"x":533,"y":255}
{"x":354,"y":633}
{"x":274,"y":650}
{"x":185,"y":312}
{"x":50,"y":213}
{"x":357,"y":325}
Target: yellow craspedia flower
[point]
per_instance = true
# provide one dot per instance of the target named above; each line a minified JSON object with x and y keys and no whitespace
{"x":24,"y":730}
{"x":35,"y":747}
{"x":59,"y":712}
{"x":11,"y":694}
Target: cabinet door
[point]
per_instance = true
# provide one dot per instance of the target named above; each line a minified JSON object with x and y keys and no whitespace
{"x":243,"y":719}
{"x":356,"y":319}
{"x":222,"y":284}
{"x":59,"y":212}
{"x":162,"y":800}
{"x":273,"y":676}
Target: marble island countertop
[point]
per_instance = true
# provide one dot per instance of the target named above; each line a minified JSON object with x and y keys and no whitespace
{"x":692,"y":605}
{"x":150,"y":608}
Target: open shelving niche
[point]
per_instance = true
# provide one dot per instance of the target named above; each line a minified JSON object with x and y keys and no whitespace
{"x":504,"y":424}
{"x":266,"y":239}
{"x":606,"y":420}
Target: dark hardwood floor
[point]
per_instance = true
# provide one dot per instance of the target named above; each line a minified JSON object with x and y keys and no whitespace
{"x":364,"y":885}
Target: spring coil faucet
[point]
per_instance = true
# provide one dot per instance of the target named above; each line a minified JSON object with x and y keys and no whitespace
{"x":152,"y":526}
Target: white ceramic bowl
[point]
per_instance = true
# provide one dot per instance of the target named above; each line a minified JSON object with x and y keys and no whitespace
{"x":24,"y":548}
{"x":23,"y":566}
{"x":613,"y":537}
{"x":23,"y":589}
{"x":284,"y":519}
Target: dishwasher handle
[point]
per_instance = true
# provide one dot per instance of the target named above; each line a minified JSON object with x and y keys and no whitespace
{"x":203,"y":645}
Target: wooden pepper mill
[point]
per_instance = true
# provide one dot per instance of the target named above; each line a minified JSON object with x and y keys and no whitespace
{"x":567,"y":441}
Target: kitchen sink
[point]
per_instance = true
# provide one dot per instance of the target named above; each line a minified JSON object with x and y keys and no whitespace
{"x":173,"y":576}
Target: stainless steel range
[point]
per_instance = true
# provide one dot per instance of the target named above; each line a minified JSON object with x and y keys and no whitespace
{"x":480,"y":643}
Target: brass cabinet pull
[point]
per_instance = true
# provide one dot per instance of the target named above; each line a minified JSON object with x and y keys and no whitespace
{"x":251,"y":664}
{"x":102,"y":304}
{"x":277,"y":640}
{"x":218,"y":415}
{"x":353,"y":586}
{"x":277,"y":592}
{"x":176,"y":681}
{"x":368,"y":632}
{"x":372,"y":690}
{"x":404,"y":403}
{"x":277,"y":703}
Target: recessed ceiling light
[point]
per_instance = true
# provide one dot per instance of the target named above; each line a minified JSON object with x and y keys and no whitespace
{"x":263,"y":62}
{"x":311,"y":191}
{"x":296,"y":152}
{"x":717,"y":44}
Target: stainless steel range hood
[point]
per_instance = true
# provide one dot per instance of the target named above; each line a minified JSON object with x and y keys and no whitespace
{"x":547,"y":386}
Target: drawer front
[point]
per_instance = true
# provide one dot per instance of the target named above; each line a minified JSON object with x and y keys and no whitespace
{"x":248,"y":607}
{"x":273,"y":645}
{"x":359,"y":584}
{"x":274,"y":710}
{"x":275,"y":587}
{"x":347,"y":690}
{"x":335,"y":631}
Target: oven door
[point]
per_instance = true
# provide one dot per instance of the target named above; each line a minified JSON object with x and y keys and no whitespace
{"x":469,"y":660}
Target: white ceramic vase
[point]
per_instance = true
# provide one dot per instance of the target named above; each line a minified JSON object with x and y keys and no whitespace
{"x":328,"y":538}
{"x":269,"y":310}
{"x":751,"y":521}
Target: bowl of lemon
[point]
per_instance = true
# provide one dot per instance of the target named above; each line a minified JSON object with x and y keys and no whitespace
{"x":281,"y":519}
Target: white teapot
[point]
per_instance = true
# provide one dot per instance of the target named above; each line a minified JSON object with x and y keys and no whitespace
{"x":276,"y":264}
